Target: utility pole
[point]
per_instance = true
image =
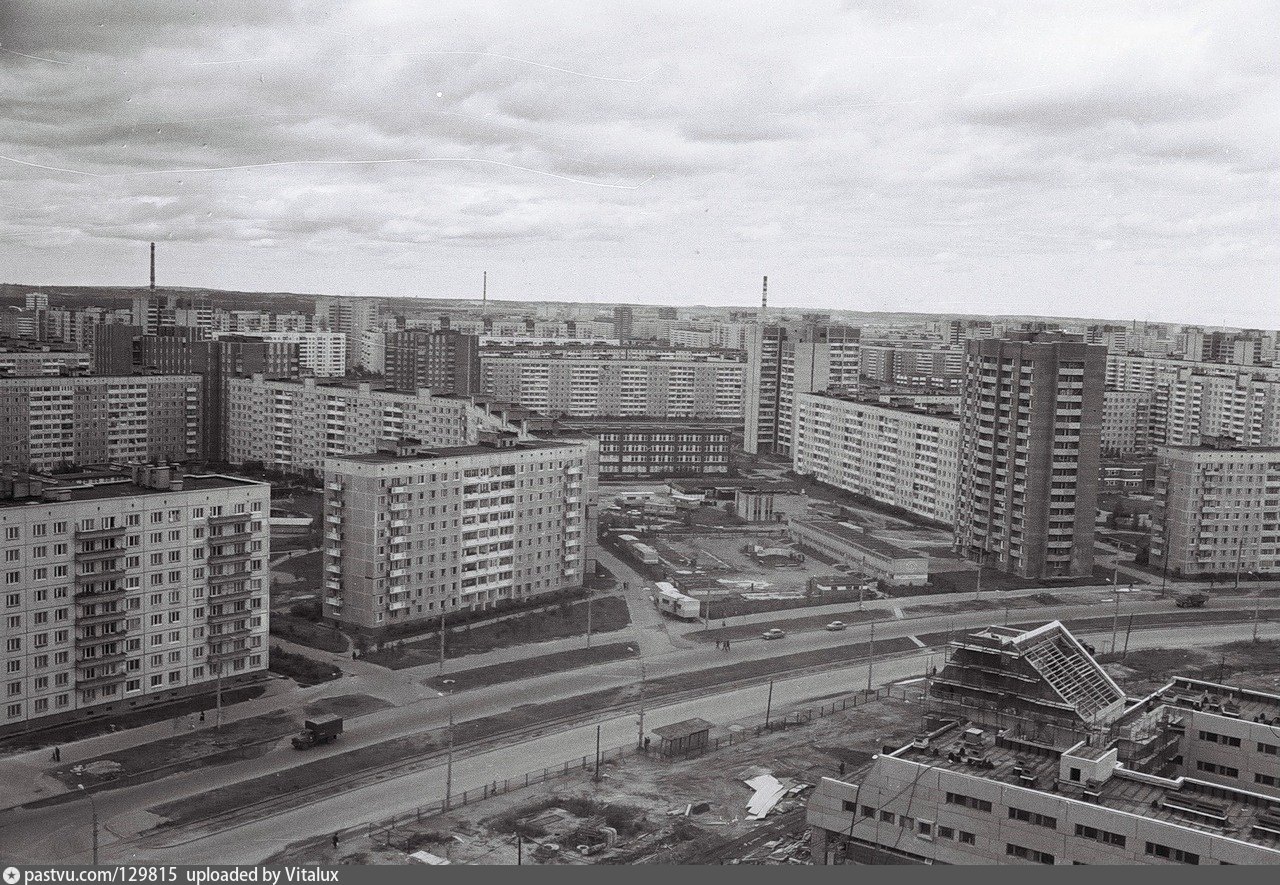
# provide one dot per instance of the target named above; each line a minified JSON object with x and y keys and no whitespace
{"x":519,"y":850}
{"x":1127,"y":631}
{"x":448,"y":765}
{"x":768,"y":707}
{"x":982,"y":555}
{"x":588,"y":621}
{"x":596,"y":776}
{"x":640,"y":736}
{"x":1239,"y":557}
{"x":93,"y":807}
{"x":217,"y":672}
{"x":1257,"y":607}
{"x":442,"y":638}
{"x":1115,"y":622}
{"x":871,"y":651}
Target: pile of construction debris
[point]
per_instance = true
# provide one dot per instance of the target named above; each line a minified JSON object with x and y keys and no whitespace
{"x":771,"y":794}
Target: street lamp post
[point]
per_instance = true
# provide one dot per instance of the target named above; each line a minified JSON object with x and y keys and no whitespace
{"x":93,"y":807}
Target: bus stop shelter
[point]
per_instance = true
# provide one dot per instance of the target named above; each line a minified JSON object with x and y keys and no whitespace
{"x":682,"y":738}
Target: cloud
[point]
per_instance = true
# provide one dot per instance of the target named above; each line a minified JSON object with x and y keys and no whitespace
{"x":886,"y":149}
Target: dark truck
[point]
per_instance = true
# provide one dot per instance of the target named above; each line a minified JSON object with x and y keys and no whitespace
{"x":319,"y":731}
{"x":1191,"y":600}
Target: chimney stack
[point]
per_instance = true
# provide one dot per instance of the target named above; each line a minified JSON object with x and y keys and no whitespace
{"x":153,"y":268}
{"x":764,"y":299}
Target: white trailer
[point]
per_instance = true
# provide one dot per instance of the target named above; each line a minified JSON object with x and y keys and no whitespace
{"x":671,"y":601}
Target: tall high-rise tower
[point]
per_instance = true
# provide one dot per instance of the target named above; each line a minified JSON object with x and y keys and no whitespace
{"x":1030,"y":437}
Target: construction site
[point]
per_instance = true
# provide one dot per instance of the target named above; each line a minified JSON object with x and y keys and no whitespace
{"x":739,"y":798}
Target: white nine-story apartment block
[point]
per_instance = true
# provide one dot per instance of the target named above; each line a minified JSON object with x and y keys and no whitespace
{"x":130,"y":592}
{"x":295,"y":425}
{"x":903,"y":451}
{"x":414,"y":533}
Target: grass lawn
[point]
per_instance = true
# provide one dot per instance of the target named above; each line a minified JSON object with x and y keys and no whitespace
{"x":961,"y":582}
{"x":558,"y":622}
{"x":307,"y":633}
{"x":75,"y":731}
{"x":300,"y":668}
{"x":306,"y":568}
{"x":557,"y":662}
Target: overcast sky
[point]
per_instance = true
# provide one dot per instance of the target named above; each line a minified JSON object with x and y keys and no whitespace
{"x":1075,"y":158}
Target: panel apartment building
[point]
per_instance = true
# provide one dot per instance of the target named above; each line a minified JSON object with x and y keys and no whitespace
{"x":1030,"y":442}
{"x":295,"y":425}
{"x":900,"y":451}
{"x":1186,"y":776}
{"x":784,"y":361}
{"x":46,"y":423}
{"x":1217,"y":510}
{"x":606,"y":381}
{"x":414,"y":533}
{"x":446,"y":362}
{"x":654,"y":447}
{"x":322,"y":354}
{"x":125,"y":593}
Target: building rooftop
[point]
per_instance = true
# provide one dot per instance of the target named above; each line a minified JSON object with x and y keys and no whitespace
{"x":53,"y":493}
{"x":850,"y":535}
{"x":437,"y":453}
{"x":938,"y":405}
{"x":1184,"y":801}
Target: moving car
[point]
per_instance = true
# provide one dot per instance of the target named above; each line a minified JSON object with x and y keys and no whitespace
{"x":1191,"y":600}
{"x":773,"y":633}
{"x":837,"y":625}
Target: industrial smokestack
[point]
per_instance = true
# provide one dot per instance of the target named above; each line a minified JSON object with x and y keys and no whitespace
{"x":153,"y":268}
{"x":484,"y":293}
{"x":764,"y":299}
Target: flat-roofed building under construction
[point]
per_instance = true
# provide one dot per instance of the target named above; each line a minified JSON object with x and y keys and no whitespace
{"x":1031,"y":753}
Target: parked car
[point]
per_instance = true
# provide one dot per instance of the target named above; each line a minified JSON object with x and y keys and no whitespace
{"x":837,"y":625}
{"x":773,"y":633}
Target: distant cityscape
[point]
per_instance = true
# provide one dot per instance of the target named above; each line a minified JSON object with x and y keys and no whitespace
{"x":467,"y":464}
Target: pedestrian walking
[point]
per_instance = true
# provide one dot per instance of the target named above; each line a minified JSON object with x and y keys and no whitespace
{"x":335,"y":840}
{"x":842,"y":769}
{"x":202,"y":715}
{"x":57,"y":755}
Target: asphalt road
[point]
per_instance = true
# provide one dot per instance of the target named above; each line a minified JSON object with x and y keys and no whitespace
{"x":61,"y":832}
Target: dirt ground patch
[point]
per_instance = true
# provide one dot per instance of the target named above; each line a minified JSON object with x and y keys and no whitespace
{"x":308,"y":633}
{"x":526,"y":668}
{"x":608,"y":614}
{"x":189,"y":744}
{"x":647,"y":796}
{"x":1244,"y":664}
{"x":349,"y":706}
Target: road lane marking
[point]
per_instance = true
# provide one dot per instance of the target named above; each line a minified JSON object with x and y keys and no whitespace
{"x":917,"y":641}
{"x":897,"y":612}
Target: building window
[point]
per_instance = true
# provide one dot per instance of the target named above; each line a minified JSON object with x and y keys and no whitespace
{"x":1031,"y":817}
{"x":1028,"y":853}
{"x":1155,"y":849}
{"x":968,"y":801}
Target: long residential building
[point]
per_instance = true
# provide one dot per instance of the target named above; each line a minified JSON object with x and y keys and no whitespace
{"x":295,"y":425}
{"x":412,"y":533}
{"x":785,"y":361}
{"x":631,"y":381}
{"x":323,"y":354}
{"x":46,"y":423}
{"x":1031,"y":754}
{"x":18,"y":361}
{"x":1217,"y":510}
{"x":900,"y":451}
{"x":1030,"y":447}
{"x":633,"y":448}
{"x":447,"y":362}
{"x":125,"y":593}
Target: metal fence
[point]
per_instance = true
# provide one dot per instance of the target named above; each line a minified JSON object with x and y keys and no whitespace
{"x":385,"y":832}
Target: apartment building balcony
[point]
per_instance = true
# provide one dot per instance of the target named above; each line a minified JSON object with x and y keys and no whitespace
{"x":398,"y":539}
{"x":399,"y":490}
{"x":398,"y":605}
{"x":228,"y":518}
{"x":114,"y":574}
{"x":234,"y":556}
{"x":100,"y":679}
{"x":398,"y":523}
{"x":333,"y":601}
{"x":225,"y":616}
{"x":399,"y":555}
{"x":101,"y":618}
{"x":333,"y":536}
{"x":103,"y":639}
{"x":116,"y":591}
{"x":333,"y":519}
{"x":230,"y":632}
{"x":334,"y":584}
{"x":228,"y":655}
{"x":99,"y":555}
{"x":333,"y":486}
{"x":230,"y":577}
{"x":230,"y":594}
{"x":114,"y":657}
{"x":231,"y":538}
{"x":97,"y":534}
{"x":397,"y":573}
